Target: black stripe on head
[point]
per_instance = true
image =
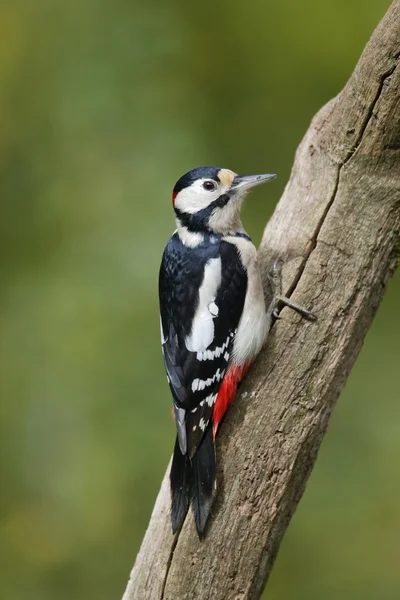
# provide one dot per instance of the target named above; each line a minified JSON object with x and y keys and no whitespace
{"x":198,"y":221}
{"x":200,"y":173}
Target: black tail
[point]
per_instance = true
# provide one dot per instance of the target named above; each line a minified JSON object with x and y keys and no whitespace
{"x":180,"y":486}
{"x":193,"y":479}
{"x":203,"y":479}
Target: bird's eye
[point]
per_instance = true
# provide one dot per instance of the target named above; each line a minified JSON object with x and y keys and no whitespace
{"x":210,"y":186}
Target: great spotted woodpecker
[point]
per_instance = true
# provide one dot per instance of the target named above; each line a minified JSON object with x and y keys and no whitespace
{"x":214,"y":323}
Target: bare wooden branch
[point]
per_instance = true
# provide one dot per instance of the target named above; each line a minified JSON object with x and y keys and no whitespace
{"x":337,"y":227}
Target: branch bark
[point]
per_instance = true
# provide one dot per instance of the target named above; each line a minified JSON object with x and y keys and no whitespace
{"x":337,"y":228}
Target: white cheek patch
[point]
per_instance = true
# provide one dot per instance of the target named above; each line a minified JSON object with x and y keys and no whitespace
{"x":202,"y":333}
{"x":194,"y":198}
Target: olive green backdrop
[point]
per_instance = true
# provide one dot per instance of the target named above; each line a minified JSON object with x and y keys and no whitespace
{"x":103,"y":105}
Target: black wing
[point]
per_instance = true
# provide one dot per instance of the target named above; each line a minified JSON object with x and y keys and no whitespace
{"x":195,"y":377}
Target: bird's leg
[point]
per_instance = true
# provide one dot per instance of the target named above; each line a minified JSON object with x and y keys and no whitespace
{"x":275,"y":278}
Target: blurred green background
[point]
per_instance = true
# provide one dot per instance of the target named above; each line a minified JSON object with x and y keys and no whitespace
{"x":103,"y":105}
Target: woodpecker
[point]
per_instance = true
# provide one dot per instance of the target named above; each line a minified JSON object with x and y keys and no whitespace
{"x":213,"y":320}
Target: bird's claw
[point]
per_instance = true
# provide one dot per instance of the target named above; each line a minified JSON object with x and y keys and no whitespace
{"x":275,"y":279}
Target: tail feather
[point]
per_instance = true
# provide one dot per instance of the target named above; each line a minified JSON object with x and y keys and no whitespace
{"x":203,"y":481}
{"x":180,"y":486}
{"x":193,"y":479}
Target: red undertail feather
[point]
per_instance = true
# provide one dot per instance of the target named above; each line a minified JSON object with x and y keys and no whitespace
{"x":227,"y":393}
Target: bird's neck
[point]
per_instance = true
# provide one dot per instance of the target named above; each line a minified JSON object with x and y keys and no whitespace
{"x":194,"y":237}
{"x":219,"y":221}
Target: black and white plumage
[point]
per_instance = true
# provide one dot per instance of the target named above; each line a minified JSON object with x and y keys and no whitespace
{"x":201,"y":296}
{"x":213,"y":323}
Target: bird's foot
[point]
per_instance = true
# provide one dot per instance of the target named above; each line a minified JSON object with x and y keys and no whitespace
{"x":278,"y":299}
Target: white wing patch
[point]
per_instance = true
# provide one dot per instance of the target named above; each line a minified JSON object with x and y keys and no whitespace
{"x":163,"y":340}
{"x":201,"y":384}
{"x":203,"y":424}
{"x":202,"y":333}
{"x":213,"y":308}
{"x":209,"y":400}
{"x":216,"y":353}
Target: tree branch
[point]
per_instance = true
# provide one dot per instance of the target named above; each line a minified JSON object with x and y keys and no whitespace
{"x":337,"y":228}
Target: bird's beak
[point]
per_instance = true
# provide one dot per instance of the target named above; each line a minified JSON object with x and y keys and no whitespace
{"x":249,"y":181}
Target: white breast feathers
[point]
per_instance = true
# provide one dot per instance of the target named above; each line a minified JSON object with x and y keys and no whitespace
{"x":253,"y":325}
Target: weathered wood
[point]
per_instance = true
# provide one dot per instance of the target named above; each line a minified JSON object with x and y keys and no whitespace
{"x":337,"y":227}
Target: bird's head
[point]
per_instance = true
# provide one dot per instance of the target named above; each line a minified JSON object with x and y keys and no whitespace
{"x":209,"y":199}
